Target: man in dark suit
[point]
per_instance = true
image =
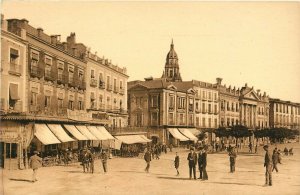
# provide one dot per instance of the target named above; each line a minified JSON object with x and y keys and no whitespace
{"x":192,"y":158}
{"x":176,"y":163}
{"x":204,"y":162}
{"x":147,"y":158}
{"x":232,"y":158}
{"x":200,"y":163}
{"x":268,"y":164}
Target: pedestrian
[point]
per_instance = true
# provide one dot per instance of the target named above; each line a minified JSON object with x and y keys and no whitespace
{"x":275,"y":159}
{"x":204,"y":163}
{"x":232,"y":159}
{"x":200,"y":163}
{"x":286,"y":151}
{"x":255,"y":149}
{"x":85,"y":160}
{"x":92,"y":161}
{"x":176,"y":163}
{"x":147,"y":158}
{"x":104,"y":158}
{"x":192,"y":158}
{"x":279,"y":156}
{"x":171,"y":147}
{"x":250,"y":147}
{"x":35,"y":162}
{"x":291,"y":152}
{"x":268,"y":165}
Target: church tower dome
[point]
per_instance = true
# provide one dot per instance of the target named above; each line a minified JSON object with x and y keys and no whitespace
{"x":171,"y":72}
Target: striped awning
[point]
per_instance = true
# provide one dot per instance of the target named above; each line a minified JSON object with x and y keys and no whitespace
{"x":44,"y":134}
{"x":60,"y":133}
{"x":96,"y":132}
{"x":74,"y":131}
{"x":176,"y":134}
{"x":105,"y":132}
{"x":84,"y":130}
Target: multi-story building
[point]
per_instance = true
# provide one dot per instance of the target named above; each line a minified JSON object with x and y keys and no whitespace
{"x":106,"y":93}
{"x":243,"y":106}
{"x":284,"y":114}
{"x":13,"y":93}
{"x":44,"y":90}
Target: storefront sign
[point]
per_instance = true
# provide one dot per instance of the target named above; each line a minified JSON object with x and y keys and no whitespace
{"x":78,"y":115}
{"x":9,"y":136}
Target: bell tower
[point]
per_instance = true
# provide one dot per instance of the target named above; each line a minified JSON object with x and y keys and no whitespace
{"x":171,"y":72}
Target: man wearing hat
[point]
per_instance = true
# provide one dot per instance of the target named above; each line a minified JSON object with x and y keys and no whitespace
{"x":232,"y":157}
{"x":192,"y":158}
{"x":104,"y":158}
{"x":268,"y":165}
{"x":35,"y":162}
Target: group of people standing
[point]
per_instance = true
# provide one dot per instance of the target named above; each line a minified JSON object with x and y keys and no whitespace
{"x":201,"y":160}
{"x":88,"y":158}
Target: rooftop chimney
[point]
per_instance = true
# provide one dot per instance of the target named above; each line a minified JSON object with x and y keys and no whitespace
{"x":54,"y":39}
{"x":219,"y":81}
{"x":71,"y":40}
{"x":24,"y":21}
{"x":39,"y":31}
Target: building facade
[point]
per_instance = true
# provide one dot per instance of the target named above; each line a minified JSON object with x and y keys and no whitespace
{"x":284,"y":114}
{"x":13,"y":93}
{"x":44,"y":88}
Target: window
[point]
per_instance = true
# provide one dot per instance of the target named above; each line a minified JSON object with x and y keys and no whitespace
{"x":181,"y":119}
{"x":48,"y":64}
{"x":171,"y":122}
{"x":92,"y":74}
{"x":216,"y":122}
{"x":216,"y":109}
{"x":108,"y":80}
{"x":232,"y":106}
{"x":209,"y":122}
{"x":191,"y":104}
{"x":203,"y":94}
{"x":197,"y":105}
{"x":93,"y":100}
{"x":80,"y":75}
{"x":215,"y":96}
{"x":71,"y":74}
{"x":228,"y":122}
{"x":228,"y":107}
{"x":203,"y":107}
{"x":14,"y":55}
{"x":115,"y":84}
{"x":237,"y":107}
{"x":209,"y":95}
{"x":70,"y":105}
{"x":236,"y":122}
{"x":203,"y":122}
{"x":80,"y":104}
{"x":209,"y":108}
{"x":154,"y":118}
{"x":121,"y":85}
{"x":197,"y":122}
{"x":33,"y":98}
{"x":171,"y":101}
{"x":154,"y":101}
{"x":222,"y":105}
{"x":181,"y":102}
{"x":34,"y":62}
{"x":47,"y":101}
{"x":60,"y":67}
{"x":60,"y":103}
{"x":121,"y":104}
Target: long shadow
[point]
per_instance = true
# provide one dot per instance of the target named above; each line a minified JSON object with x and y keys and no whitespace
{"x":74,"y":171}
{"x":173,"y":178}
{"x":234,"y":183}
{"x":132,"y":171}
{"x":26,"y":180}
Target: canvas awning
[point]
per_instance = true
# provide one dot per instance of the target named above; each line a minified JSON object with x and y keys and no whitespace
{"x":74,"y":131}
{"x":195,"y":131}
{"x":60,"y":133}
{"x":96,"y":132}
{"x":176,"y":134}
{"x":13,"y":91}
{"x":188,"y":134}
{"x":105,"y":132}
{"x":43,"y":133}
{"x":83,"y":129}
{"x":145,"y":138}
{"x":131,"y":139}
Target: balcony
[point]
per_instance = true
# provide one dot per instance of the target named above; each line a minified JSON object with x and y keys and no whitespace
{"x":82,"y":85}
{"x":122,"y":91}
{"x":48,"y":75}
{"x":93,"y":82}
{"x":197,"y":110}
{"x":171,"y":108}
{"x":34,"y":71}
{"x":109,"y":87}
{"x":17,"y":107}
{"x":62,"y":111}
{"x":33,"y":108}
{"x":15,"y":69}
{"x":101,"y":85}
{"x":204,"y":111}
{"x":102,"y":107}
{"x":116,"y":89}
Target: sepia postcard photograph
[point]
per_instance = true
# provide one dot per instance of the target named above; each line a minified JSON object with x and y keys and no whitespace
{"x":149,"y":97}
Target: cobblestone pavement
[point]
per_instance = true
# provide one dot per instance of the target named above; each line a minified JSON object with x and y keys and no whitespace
{"x":127,"y":176}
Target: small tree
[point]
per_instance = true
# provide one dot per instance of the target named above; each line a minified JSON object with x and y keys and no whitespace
{"x":240,"y":131}
{"x":222,"y":132}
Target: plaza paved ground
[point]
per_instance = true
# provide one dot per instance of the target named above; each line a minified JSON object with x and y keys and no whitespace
{"x":127,"y":176}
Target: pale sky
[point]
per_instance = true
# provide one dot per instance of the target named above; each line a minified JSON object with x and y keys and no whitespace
{"x":254,"y":43}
